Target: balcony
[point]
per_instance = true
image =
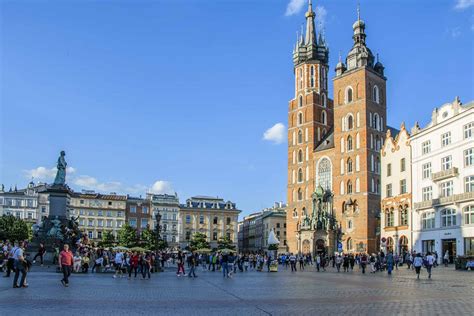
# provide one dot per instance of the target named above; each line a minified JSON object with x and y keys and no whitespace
{"x":456,"y":198}
{"x":445,"y":174}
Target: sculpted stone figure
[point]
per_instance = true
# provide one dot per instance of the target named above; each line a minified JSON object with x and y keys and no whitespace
{"x":61,"y":173}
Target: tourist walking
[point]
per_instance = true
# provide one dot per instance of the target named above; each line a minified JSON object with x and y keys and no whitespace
{"x":338,"y":261}
{"x":418,"y":263}
{"x":363,"y":262}
{"x":389,"y":260}
{"x":181,"y":265}
{"x":225,"y":266}
{"x":40,"y":253}
{"x":293,"y":262}
{"x":134,"y":261}
{"x":318,"y":263}
{"x":118,"y":264}
{"x":65,"y":264}
{"x":429,"y":263}
{"x":10,"y":260}
{"x":20,"y":266}
{"x":446,"y":258}
{"x":192,"y":265}
{"x":146,"y":266}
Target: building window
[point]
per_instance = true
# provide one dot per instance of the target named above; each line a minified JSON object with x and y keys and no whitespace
{"x":469,"y":215}
{"x":350,"y":122}
{"x":403,"y":186}
{"x":133,"y":209}
{"x":324,"y":103}
{"x":144,"y":223}
{"x":300,"y":137}
{"x":214,"y":236}
{"x":324,"y":174}
{"x":349,"y":143}
{"x":201,"y":219}
{"x":446,"y":188}
{"x":109,"y":223}
{"x":312,"y":77}
{"x":469,"y":157}
{"x":375,"y":94}
{"x":446,"y":163}
{"x":300,"y":195}
{"x":119,"y":224}
{"x":426,"y":169}
{"x":448,"y":217}
{"x":389,"y":170}
{"x":428,"y":220}
{"x":145,"y":209}
{"x":468,"y":130}
{"x":404,"y":217}
{"x":300,"y":175}
{"x":188,"y":235}
{"x":133,"y":222}
{"x":349,"y":95}
{"x":349,"y":187}
{"x":300,"y":101}
{"x":388,"y":188}
{"x":349,"y":165}
{"x":427,"y":193}
{"x":323,"y":118}
{"x":349,"y":244}
{"x":349,"y":224}
{"x":109,"y":214}
{"x":99,"y":213}
{"x":300,"y":155}
{"x":228,"y":220}
{"x":445,"y":139}
{"x":469,"y":184}
{"x":402,"y":165}
{"x":99,"y":235}
{"x":90,"y":223}
{"x":188,"y":219}
{"x":119,"y":214}
{"x":389,"y":218}
{"x":215,"y":220}
{"x":90,"y":235}
{"x":300,"y":118}
{"x":426,"y":147}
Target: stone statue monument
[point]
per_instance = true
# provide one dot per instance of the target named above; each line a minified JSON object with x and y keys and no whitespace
{"x":61,"y":173}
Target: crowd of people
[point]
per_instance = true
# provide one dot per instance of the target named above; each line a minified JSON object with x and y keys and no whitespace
{"x":123,"y":262}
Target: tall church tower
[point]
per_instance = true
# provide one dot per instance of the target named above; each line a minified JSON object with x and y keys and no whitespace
{"x":359,"y":129}
{"x":310,"y":116}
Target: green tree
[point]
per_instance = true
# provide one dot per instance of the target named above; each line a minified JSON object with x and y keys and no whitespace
{"x":199,"y":241}
{"x":148,"y":238}
{"x":225,"y":243}
{"x":108,"y":240}
{"x":127,"y":236}
{"x":13,"y":228}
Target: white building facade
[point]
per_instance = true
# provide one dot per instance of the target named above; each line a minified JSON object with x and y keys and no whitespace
{"x":443,"y":181}
{"x":396,"y":205}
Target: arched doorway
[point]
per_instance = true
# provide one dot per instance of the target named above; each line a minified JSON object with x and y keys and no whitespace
{"x":389,"y":244}
{"x":403,"y":245}
{"x":320,"y":247}
{"x":306,"y":247}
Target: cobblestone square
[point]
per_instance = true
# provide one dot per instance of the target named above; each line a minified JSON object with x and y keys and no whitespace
{"x":306,"y":292}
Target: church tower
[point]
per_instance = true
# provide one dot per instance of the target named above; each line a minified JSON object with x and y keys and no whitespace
{"x":359,"y":129}
{"x":310,"y":116}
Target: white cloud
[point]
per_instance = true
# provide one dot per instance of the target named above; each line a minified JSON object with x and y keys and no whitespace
{"x":463,"y":4}
{"x":43,"y":173}
{"x":321,"y":14}
{"x":276,"y":133}
{"x":92,"y":183}
{"x":294,"y":7}
{"x":161,"y":187}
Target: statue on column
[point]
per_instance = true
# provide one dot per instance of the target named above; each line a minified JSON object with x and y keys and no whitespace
{"x":61,"y":173}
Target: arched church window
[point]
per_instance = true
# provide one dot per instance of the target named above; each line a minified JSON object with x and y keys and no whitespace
{"x":350,"y":122}
{"x":349,"y":165}
{"x":349,"y":187}
{"x":300,"y":118}
{"x":300,"y":101}
{"x":349,"y":143}
{"x":323,"y":117}
{"x":324,"y":174}
{"x":375,"y":94}
{"x":300,"y":137}
{"x":300,"y":155}
{"x":349,"y":95}
{"x":300,"y":175}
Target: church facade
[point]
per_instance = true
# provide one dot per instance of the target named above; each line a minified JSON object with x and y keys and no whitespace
{"x":333,"y":189}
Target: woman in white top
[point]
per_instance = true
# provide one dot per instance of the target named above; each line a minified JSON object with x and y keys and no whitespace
{"x":418,"y":263}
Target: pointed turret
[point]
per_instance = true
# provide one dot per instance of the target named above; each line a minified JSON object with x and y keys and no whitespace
{"x":310,"y":30}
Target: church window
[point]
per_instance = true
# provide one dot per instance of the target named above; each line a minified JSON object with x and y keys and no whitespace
{"x":324,"y":100}
{"x":323,"y":117}
{"x":349,"y":165}
{"x":350,"y":122}
{"x":349,"y":94}
{"x":349,"y":143}
{"x":300,"y":175}
{"x":349,"y":244}
{"x":312,"y":76}
{"x":300,"y":155}
{"x":300,"y":195}
{"x":324,"y":174}
{"x":300,"y":137}
{"x":324,"y":132}
{"x":375,"y":94}
{"x":300,"y":101}
{"x":349,"y":187}
{"x":375,"y":121}
{"x":300,"y":118}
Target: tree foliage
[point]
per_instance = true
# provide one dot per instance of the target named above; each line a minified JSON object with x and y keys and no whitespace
{"x":199,"y":241}
{"x":127,"y":236}
{"x":148,"y":239}
{"x":13,"y":228}
{"x":225,"y":243}
{"x":108,"y":240}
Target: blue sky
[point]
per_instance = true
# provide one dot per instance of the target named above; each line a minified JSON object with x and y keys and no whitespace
{"x":177,"y":95}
